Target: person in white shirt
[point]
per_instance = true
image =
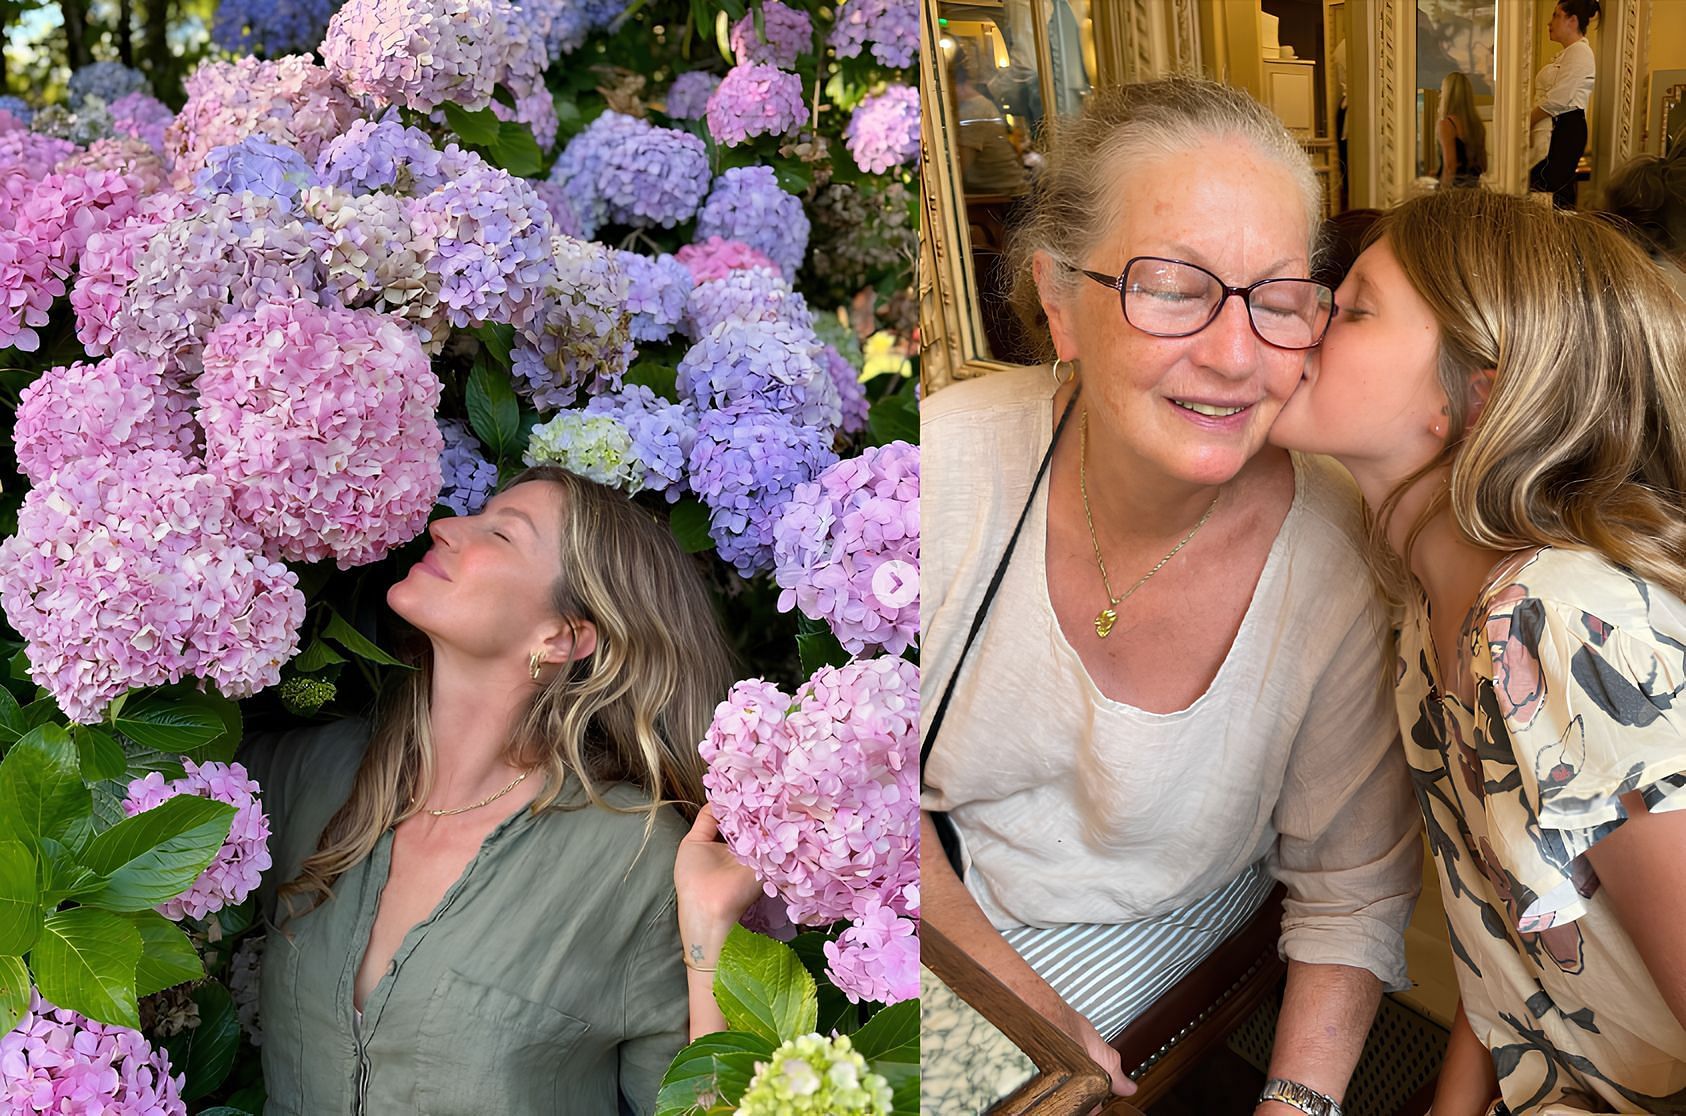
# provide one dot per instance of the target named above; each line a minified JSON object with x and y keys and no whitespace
{"x":1561,"y":90}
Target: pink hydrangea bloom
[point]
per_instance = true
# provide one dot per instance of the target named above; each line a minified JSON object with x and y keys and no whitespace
{"x":846,"y":549}
{"x":877,"y":958}
{"x":108,"y":265}
{"x":56,"y":1060}
{"x":28,"y":286}
{"x":67,"y":207}
{"x":754,"y":99}
{"x":36,"y":153}
{"x":121,"y":404}
{"x":234,"y":253}
{"x":235,"y":871}
{"x":288,"y":100}
{"x":714,"y":257}
{"x":786,"y":35}
{"x":321,"y":421}
{"x":135,"y":571}
{"x":883,"y":131}
{"x":125,"y":155}
{"x":819,"y":793}
{"x":423,"y":53}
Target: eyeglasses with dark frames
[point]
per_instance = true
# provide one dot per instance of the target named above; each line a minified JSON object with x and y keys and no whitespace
{"x":1174,"y":298}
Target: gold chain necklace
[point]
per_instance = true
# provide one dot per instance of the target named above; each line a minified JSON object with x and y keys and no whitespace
{"x":487,"y":801}
{"x":1108,"y":616}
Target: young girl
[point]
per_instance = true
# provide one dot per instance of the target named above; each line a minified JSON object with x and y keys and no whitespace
{"x":1508,"y":387}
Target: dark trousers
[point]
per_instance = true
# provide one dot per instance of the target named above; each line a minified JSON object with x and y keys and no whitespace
{"x":1555,"y":174}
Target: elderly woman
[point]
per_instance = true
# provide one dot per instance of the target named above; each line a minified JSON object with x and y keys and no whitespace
{"x":1171,"y":701}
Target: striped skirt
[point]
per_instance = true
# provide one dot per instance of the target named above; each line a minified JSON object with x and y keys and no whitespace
{"x":1109,"y":973}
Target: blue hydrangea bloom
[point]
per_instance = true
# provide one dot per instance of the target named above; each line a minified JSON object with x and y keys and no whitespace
{"x":272,"y":27}
{"x":628,"y":171}
{"x":386,"y":155}
{"x":18,"y":107}
{"x":687,"y":97}
{"x":742,"y":367}
{"x":747,"y":204}
{"x":255,"y":165}
{"x":662,"y":435}
{"x":106,"y":80}
{"x":744,"y":468}
{"x":469,"y":479}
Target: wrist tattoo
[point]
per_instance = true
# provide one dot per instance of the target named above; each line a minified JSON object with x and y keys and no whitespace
{"x":696,"y":953}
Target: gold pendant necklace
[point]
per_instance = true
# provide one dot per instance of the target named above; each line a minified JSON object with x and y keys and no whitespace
{"x":1108,"y":616}
{"x":487,"y":801}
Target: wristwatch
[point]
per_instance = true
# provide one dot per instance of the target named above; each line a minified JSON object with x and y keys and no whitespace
{"x":1302,"y":1097}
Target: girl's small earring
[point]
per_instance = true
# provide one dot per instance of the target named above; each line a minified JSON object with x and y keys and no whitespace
{"x":1059,"y":383}
{"x":535,"y":664}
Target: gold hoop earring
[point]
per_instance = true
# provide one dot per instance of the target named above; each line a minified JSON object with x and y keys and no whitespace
{"x":1059,"y":383}
{"x":535,"y":664}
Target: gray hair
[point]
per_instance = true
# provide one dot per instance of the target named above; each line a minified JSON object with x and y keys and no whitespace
{"x":1073,"y":201}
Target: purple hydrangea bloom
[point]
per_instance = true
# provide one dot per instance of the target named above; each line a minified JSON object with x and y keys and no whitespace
{"x":239,"y":865}
{"x":658,"y":290}
{"x":846,"y":377}
{"x":468,"y":479}
{"x":662,"y":434}
{"x":748,"y":205}
{"x":236,"y":253}
{"x":884,"y":130}
{"x":687,"y":97}
{"x":566,"y":23}
{"x":491,"y":245}
{"x":386,"y":155}
{"x":796,"y":783}
{"x":107,"y":81}
{"x":142,"y":116}
{"x":628,"y":171}
{"x":249,"y":26}
{"x":57,"y":1060}
{"x":890,"y":26}
{"x":657,"y":176}
{"x":744,"y":468}
{"x":576,"y":170}
{"x":580,"y":337}
{"x":562,"y":213}
{"x":755,"y":100}
{"x":786,"y":35}
{"x":270,"y":170}
{"x":738,"y":367}
{"x":846,"y":549}
{"x":745,"y":295}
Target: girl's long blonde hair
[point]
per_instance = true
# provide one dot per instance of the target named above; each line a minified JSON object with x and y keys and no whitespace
{"x":1582,"y":441}
{"x":1457,"y":100}
{"x":631,"y":712}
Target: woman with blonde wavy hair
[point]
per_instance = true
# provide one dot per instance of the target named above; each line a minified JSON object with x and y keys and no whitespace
{"x":1524,"y":457}
{"x":1463,"y":138}
{"x":479,"y":911}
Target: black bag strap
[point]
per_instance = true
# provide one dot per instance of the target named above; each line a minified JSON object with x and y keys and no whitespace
{"x":989,"y":593}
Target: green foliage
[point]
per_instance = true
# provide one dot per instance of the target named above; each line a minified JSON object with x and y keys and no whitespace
{"x":206,"y":1053}
{"x":768,"y":995}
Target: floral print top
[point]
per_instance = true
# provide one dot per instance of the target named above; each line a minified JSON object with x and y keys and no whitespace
{"x":1570,"y":691}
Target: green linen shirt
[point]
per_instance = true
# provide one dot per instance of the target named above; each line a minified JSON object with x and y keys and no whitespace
{"x":548,"y":980}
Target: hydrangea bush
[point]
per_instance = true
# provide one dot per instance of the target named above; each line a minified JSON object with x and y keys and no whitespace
{"x":258,"y":329}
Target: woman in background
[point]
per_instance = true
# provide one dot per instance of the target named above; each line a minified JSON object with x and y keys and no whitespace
{"x":1463,"y":138}
{"x":1561,"y":91}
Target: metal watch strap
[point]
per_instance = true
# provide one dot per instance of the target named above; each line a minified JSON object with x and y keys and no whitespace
{"x":1302,"y":1097}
